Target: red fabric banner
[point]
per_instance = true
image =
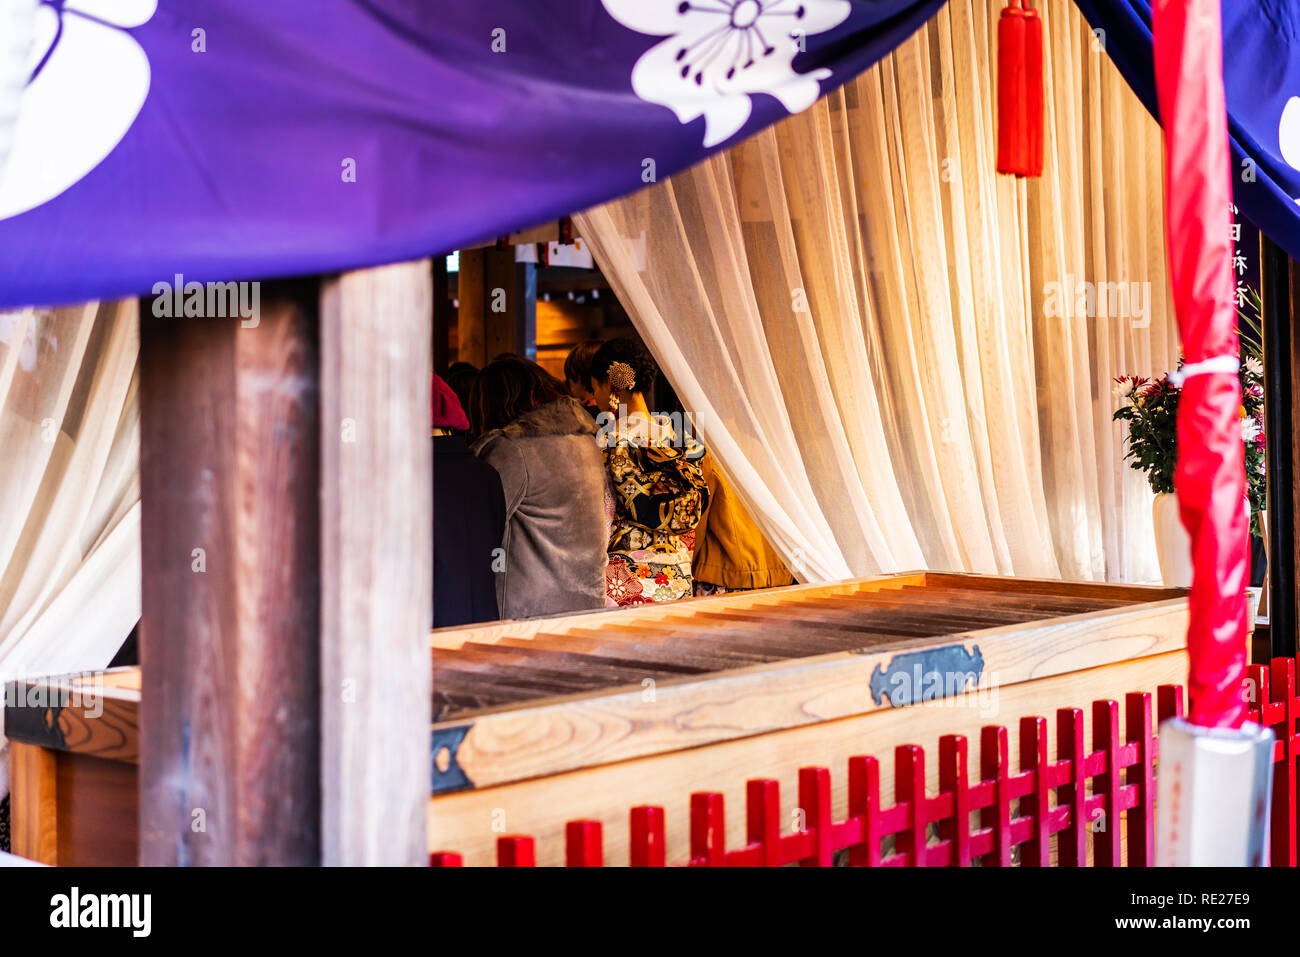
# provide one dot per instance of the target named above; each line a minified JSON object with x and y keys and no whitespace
{"x":1210,"y":477}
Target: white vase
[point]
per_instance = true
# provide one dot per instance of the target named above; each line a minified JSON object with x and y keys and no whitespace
{"x":1173,"y":546}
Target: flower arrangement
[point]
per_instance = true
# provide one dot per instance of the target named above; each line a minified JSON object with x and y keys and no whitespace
{"x":1150,"y":407}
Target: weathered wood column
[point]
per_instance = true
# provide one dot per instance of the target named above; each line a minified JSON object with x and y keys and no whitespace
{"x":377,"y":578}
{"x":229,"y":635}
{"x":287,"y":566}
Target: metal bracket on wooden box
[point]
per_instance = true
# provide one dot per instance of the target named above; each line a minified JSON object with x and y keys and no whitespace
{"x":448,"y":775}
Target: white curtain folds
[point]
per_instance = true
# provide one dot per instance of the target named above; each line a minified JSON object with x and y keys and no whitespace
{"x":69,"y":489}
{"x":900,"y":358}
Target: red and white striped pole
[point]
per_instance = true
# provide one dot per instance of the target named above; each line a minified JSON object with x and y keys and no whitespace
{"x":1215,"y":769}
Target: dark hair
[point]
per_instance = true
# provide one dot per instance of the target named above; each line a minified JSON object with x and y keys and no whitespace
{"x":460,"y":376}
{"x":508,"y":387}
{"x":630,"y":352}
{"x":577,"y":364}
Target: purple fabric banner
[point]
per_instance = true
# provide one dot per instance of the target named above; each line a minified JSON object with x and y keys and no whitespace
{"x":1261,"y":77}
{"x":229,"y":139}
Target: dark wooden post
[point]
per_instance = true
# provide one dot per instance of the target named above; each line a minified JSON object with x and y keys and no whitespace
{"x":1278,"y":279}
{"x":229,"y":635}
{"x":377,"y":565}
{"x":510,"y":294}
{"x":471,"y":318}
{"x":287,"y":565}
{"x":498,"y":305}
{"x":443,"y":316}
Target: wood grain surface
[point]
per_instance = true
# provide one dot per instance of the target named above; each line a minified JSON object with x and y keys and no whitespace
{"x":33,"y":806}
{"x":377,"y":564}
{"x":97,"y":714}
{"x":469,"y":822}
{"x":230,"y":473}
{"x":581,"y":725}
{"x":98,"y":811}
{"x":527,"y":627}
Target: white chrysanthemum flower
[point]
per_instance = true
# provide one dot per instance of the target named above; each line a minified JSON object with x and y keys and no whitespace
{"x":1124,"y":388}
{"x":718,"y":54}
{"x":1254,"y":367}
{"x":1249,"y":429}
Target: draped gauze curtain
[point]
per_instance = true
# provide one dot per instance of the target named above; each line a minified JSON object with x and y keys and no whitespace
{"x":69,"y":489}
{"x":885,"y":345}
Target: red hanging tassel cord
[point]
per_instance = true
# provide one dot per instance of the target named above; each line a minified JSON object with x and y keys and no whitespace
{"x":1020,"y":90}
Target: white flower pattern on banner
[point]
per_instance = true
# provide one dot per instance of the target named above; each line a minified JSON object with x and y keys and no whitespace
{"x":91,"y":80}
{"x":717,"y":53}
{"x":1288,"y":133}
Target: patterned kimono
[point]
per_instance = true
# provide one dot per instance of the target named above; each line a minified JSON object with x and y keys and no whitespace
{"x":659,"y":494}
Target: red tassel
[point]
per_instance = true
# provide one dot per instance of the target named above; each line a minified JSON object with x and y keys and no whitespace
{"x":1033,"y":91}
{"x":1020,"y":90}
{"x":1013,"y":132}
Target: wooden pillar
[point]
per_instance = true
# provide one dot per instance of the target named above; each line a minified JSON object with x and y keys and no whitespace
{"x":377,"y":571}
{"x":443,"y":316}
{"x":511,"y":296}
{"x":498,"y":305}
{"x":287,"y":571}
{"x":1280,"y":282}
{"x":471,"y":316}
{"x":229,"y":634}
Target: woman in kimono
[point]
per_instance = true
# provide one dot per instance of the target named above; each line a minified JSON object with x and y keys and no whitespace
{"x":658,"y":489}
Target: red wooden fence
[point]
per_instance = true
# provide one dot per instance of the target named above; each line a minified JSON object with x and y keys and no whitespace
{"x":1120,"y":766}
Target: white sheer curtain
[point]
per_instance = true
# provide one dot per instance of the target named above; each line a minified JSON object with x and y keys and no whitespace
{"x":881,"y":338}
{"x":69,"y":489}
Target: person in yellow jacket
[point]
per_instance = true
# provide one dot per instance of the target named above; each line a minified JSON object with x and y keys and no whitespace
{"x":731,"y":554}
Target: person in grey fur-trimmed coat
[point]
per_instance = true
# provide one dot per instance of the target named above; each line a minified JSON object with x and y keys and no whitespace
{"x":542,"y":442}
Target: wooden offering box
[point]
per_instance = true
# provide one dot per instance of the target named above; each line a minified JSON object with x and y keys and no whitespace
{"x":73,"y":752}
{"x":543,"y":721}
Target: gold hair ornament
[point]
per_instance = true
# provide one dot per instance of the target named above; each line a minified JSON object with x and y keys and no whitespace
{"x":622,"y":378}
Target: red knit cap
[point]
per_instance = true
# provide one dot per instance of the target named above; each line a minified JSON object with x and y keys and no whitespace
{"x":444,"y":408}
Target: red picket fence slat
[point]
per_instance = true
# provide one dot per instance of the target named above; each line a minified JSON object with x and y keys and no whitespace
{"x":1273,"y":689}
{"x":584,"y":844}
{"x":649,"y":846}
{"x":1122,"y":775}
{"x":1073,"y":845}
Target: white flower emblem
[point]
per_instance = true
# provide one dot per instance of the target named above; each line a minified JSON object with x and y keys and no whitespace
{"x":719,"y":52}
{"x":1288,"y":133}
{"x":91,"y":80}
